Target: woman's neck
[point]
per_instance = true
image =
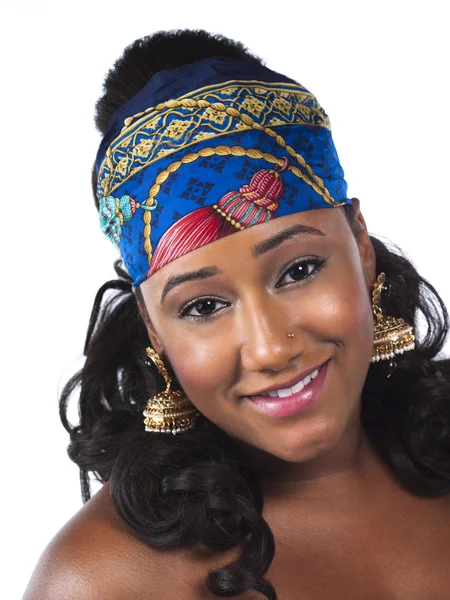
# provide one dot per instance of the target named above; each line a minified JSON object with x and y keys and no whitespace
{"x":348,"y":469}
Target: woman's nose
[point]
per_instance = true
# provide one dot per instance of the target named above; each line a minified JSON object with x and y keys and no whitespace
{"x":265,"y":344}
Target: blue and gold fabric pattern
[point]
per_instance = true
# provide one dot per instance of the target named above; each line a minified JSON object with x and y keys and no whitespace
{"x":207,"y":150}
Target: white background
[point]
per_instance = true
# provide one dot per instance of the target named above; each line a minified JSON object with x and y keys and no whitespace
{"x":381,"y":72}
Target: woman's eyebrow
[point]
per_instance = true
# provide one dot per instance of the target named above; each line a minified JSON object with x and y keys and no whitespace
{"x":282,"y":236}
{"x":175,"y":280}
{"x":261,"y":248}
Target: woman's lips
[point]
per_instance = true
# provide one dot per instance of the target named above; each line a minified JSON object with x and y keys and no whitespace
{"x":294,"y":404}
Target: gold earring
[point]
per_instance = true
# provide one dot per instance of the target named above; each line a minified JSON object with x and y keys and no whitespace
{"x":169,"y":411}
{"x":391,"y":335}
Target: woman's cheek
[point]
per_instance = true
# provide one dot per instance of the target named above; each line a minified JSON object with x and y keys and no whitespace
{"x":200,"y":367}
{"x":342,"y":314}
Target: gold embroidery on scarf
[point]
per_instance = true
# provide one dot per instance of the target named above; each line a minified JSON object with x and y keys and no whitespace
{"x":260,"y":87}
{"x":220,"y":151}
{"x":175,"y":124}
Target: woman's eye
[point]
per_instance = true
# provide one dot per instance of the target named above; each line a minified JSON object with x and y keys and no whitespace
{"x":302,"y":270}
{"x":203,"y":309}
{"x":200,"y":310}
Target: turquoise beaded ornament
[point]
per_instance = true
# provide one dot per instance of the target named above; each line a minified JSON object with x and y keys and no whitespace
{"x":114,"y":212}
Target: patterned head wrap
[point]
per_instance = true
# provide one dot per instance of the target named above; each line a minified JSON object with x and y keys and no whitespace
{"x":207,"y":150}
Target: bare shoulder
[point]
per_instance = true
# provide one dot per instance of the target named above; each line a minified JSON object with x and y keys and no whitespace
{"x":96,"y":556}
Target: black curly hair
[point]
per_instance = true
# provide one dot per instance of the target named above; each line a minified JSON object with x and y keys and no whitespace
{"x":174,"y":491}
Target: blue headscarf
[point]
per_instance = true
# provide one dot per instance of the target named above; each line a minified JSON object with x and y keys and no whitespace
{"x":207,"y":150}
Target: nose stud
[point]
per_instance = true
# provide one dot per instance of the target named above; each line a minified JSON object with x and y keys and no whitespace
{"x":290,"y":335}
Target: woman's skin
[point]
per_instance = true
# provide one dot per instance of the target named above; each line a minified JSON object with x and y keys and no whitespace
{"x":243,"y":347}
{"x":343,"y":525}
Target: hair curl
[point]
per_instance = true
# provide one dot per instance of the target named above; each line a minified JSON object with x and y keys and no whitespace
{"x":175,"y":491}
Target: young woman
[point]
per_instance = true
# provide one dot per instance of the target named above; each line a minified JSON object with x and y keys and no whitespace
{"x":254,"y":397}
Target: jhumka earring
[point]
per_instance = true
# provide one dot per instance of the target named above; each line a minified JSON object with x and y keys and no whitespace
{"x":391,"y":335}
{"x":171,"y":411}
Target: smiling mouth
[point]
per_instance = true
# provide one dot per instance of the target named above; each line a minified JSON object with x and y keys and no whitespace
{"x":284,"y":391}
{"x":294,"y":400}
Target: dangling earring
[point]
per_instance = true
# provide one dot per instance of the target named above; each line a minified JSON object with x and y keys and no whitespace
{"x":391,"y":335}
{"x":170,"y":411}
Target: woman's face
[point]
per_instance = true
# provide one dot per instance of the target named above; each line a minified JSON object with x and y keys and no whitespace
{"x":225,"y":333}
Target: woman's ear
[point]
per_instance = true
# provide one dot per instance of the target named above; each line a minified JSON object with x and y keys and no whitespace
{"x":366,"y":251}
{"x":155,"y":341}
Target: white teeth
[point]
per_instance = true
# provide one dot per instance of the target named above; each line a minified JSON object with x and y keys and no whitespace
{"x":284,"y":393}
{"x":297,"y":387}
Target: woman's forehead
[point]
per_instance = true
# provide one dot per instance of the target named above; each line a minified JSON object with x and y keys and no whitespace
{"x":306,"y":228}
